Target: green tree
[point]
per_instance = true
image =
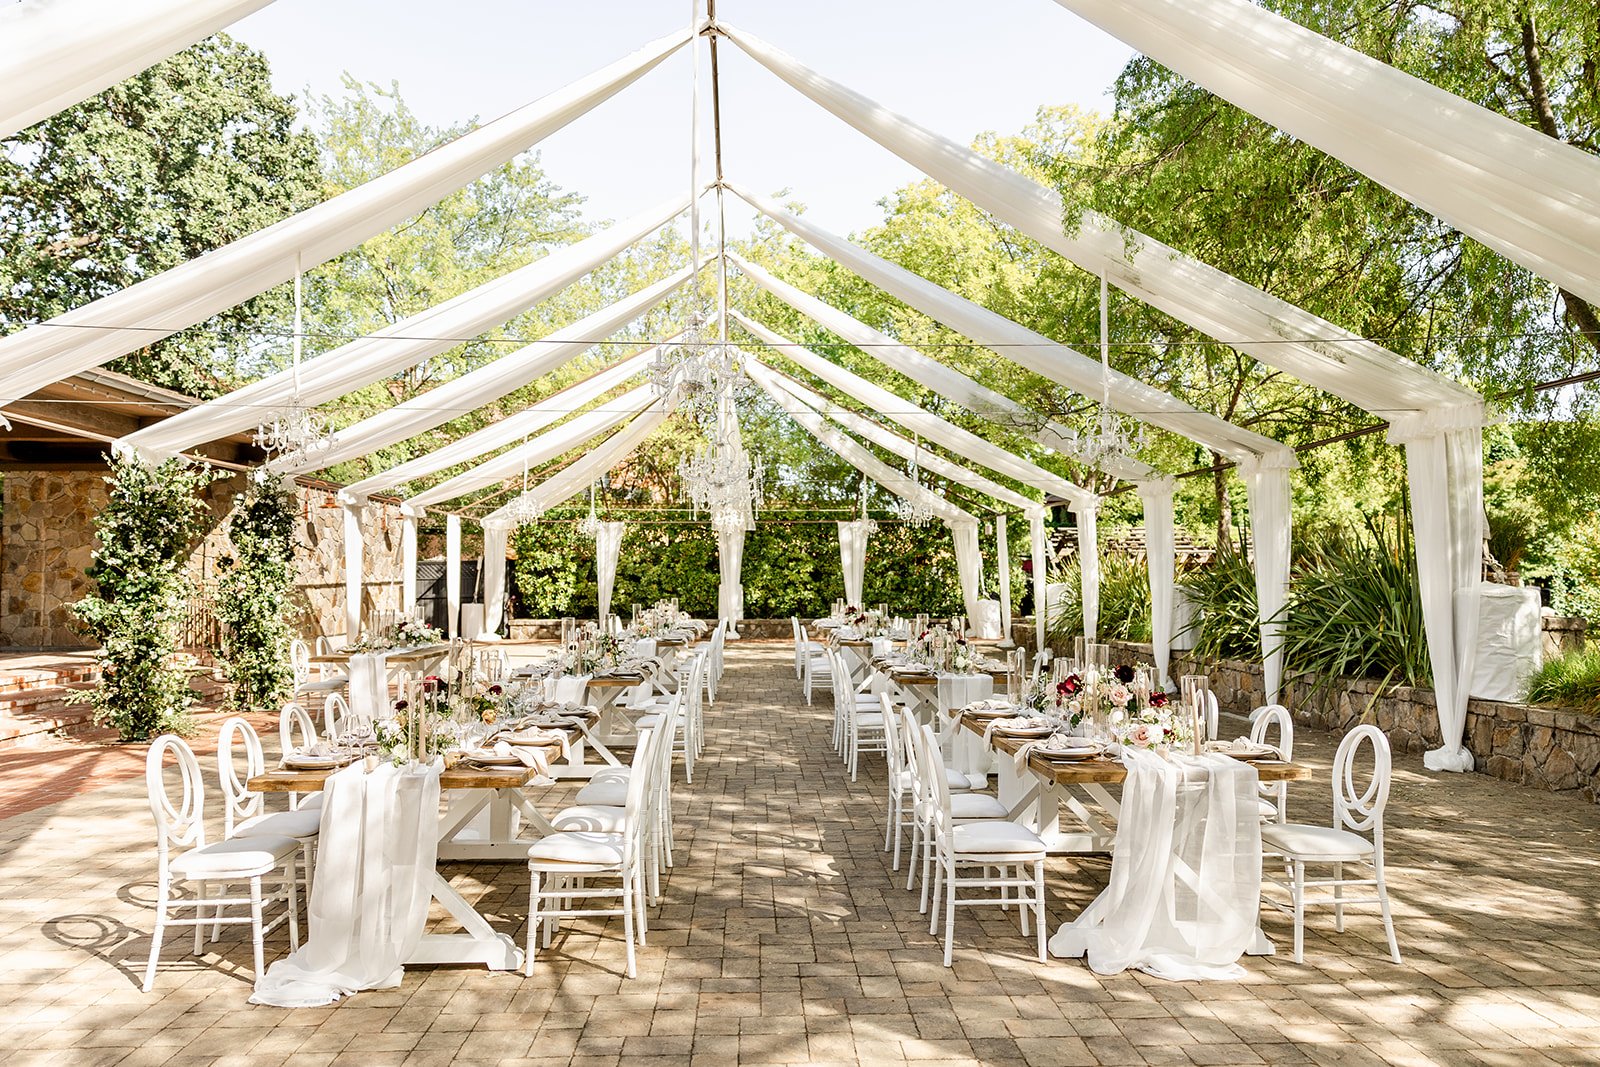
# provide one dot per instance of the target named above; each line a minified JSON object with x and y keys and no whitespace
{"x":254,"y":595}
{"x":177,"y":160}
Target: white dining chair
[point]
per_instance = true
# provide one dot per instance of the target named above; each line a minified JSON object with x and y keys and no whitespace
{"x":686,"y":739}
{"x":818,"y":669}
{"x":1213,"y":715}
{"x":609,"y":787}
{"x":860,"y":715}
{"x":1356,"y":813}
{"x":966,"y":803}
{"x":244,"y":812}
{"x":994,"y":853}
{"x":296,"y":732}
{"x":562,"y":865}
{"x":183,"y":858}
{"x":1274,"y":800}
{"x":712,"y":676}
{"x":304,"y":682}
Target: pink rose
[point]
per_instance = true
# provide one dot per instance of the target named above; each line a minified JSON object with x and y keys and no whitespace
{"x":1140,"y":735}
{"x":1120,"y":695}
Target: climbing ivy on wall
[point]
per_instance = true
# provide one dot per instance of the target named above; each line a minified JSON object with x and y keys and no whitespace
{"x":144,"y":535}
{"x":253,"y":594}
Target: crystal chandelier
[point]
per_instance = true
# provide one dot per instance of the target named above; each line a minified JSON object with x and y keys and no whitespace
{"x":699,"y":369}
{"x":589,"y":526}
{"x":723,"y":481}
{"x":864,"y":522}
{"x":294,"y":434}
{"x":525,"y":508}
{"x":1111,"y":439}
{"x":917,"y":508}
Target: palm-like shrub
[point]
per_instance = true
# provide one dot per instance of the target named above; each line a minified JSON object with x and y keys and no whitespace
{"x":1571,"y":681}
{"x":1223,"y":593}
{"x":1124,"y":600}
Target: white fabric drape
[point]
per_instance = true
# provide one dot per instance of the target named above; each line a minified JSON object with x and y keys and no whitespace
{"x":495,"y":535}
{"x":935,"y":429}
{"x":852,"y":453}
{"x":890,"y":441}
{"x":408,"y":560}
{"x":1002,"y":566}
{"x":541,"y":449}
{"x":730,"y":584}
{"x":1021,"y":345}
{"x":452,"y":574}
{"x":1185,"y":892}
{"x":200,"y":288}
{"x":1529,"y":197}
{"x":395,"y":347}
{"x":487,"y":383}
{"x":969,"y":562}
{"x":375,"y":877}
{"x":575,"y":478}
{"x":56,"y":54}
{"x":1268,"y":487}
{"x":1160,"y":556}
{"x":369,"y":687}
{"x":853,"y":558}
{"x":1442,"y":469}
{"x":1089,"y":565}
{"x":607,"y":548}
{"x":497,"y":435}
{"x":1212,"y":301}
{"x":1040,"y":545}
{"x":354,"y":545}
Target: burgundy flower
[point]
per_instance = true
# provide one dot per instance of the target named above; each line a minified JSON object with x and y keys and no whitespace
{"x":401,"y":705}
{"x":495,"y":690}
{"x":1068,"y":685}
{"x":1158,"y":699}
{"x":1124,"y":674}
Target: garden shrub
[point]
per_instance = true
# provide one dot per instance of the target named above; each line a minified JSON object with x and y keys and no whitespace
{"x":254,"y":595}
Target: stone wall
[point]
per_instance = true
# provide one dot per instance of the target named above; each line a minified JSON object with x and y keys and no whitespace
{"x":1551,"y":748}
{"x":47,"y":539}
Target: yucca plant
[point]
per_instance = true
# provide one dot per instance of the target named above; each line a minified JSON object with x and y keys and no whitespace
{"x":1124,"y":601}
{"x":1355,"y":610}
{"x":1572,"y":681}
{"x":1223,"y":593}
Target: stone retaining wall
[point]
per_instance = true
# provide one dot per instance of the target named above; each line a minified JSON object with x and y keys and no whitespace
{"x":1551,"y":748}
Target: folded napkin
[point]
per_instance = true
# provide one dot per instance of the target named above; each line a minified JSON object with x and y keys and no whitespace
{"x":528,"y":757}
{"x":1057,"y":741}
{"x":1008,"y":723}
{"x":1241,"y":745}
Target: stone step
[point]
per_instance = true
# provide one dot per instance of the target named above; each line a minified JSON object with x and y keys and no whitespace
{"x":35,"y":716}
{"x":47,"y":675}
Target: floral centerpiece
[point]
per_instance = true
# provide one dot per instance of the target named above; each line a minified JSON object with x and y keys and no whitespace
{"x":410,"y":633}
{"x":422,"y":727}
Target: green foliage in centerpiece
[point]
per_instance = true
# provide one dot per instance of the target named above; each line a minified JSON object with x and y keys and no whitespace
{"x":145,"y":532}
{"x":253,"y":596}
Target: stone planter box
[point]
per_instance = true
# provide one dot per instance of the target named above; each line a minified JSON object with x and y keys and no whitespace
{"x":1550,"y":748}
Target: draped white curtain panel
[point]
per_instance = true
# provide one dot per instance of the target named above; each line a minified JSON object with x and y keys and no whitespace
{"x":969,"y":563}
{"x":194,"y":291}
{"x":404,"y":344}
{"x":905,"y":448}
{"x":1088,"y":514}
{"x":1272,"y":330}
{"x":575,"y":478}
{"x":59,"y":53}
{"x":1021,"y":345}
{"x":1160,"y":550}
{"x":1041,"y":577}
{"x":471,"y":391}
{"x":1268,"y":488}
{"x":495,"y":536}
{"x":895,"y":481}
{"x":607,"y":549}
{"x":730,"y":568}
{"x":1002,"y":567}
{"x":497,"y":435}
{"x":853,"y":558}
{"x":1529,"y":197}
{"x":452,"y":574}
{"x":962,"y":442}
{"x":540,"y":449}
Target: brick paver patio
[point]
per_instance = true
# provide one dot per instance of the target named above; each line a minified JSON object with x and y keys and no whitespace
{"x":784,"y":939}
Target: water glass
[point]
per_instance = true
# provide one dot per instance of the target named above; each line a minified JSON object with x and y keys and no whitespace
{"x":1192,"y":689}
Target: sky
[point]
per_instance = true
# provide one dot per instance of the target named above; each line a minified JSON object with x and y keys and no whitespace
{"x":959,"y":68}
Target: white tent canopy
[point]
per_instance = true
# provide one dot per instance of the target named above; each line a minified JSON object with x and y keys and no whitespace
{"x":59,"y":53}
{"x":191,"y":292}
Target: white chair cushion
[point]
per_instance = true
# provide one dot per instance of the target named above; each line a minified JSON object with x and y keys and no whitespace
{"x":298,"y":824}
{"x":326,"y":685}
{"x":312,"y":800}
{"x":954,"y":780}
{"x":977,"y":806}
{"x":608,"y":794}
{"x":237,"y":857}
{"x":592,"y":817}
{"x":574,"y":846}
{"x":1303,"y":839}
{"x":998,"y":836}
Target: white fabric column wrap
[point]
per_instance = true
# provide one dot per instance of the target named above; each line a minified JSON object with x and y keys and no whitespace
{"x":1270,"y":521}
{"x":1160,"y":558}
{"x":408,"y":561}
{"x":853,"y":559}
{"x":730,"y":567}
{"x":353,"y":566}
{"x":201,"y":287}
{"x":969,"y":563}
{"x":607,"y":548}
{"x":452,"y":574}
{"x":1002,"y":552}
{"x":1444,"y":469}
{"x":1040,"y":543}
{"x":1089,"y":565}
{"x":495,"y":535}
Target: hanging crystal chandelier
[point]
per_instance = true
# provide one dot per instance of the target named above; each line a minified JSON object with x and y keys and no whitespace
{"x":864,"y":522}
{"x":722,"y":480}
{"x":1111,"y":439}
{"x":525,"y":507}
{"x":699,"y":369}
{"x":589,"y":526}
{"x":917,"y":508}
{"x":294,"y":434}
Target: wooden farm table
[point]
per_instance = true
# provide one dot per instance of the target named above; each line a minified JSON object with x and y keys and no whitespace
{"x":1037,"y":798}
{"x":471,"y":789}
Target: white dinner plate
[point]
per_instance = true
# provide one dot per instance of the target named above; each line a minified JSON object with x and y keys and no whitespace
{"x":1044,"y":730}
{"x":490,"y":758}
{"x":299,"y":762}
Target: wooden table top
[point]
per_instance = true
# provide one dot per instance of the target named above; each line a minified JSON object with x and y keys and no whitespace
{"x":611,"y":681}
{"x":461,"y":776}
{"x":1110,"y":771}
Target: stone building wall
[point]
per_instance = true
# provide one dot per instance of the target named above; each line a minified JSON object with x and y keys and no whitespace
{"x":47,"y":540}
